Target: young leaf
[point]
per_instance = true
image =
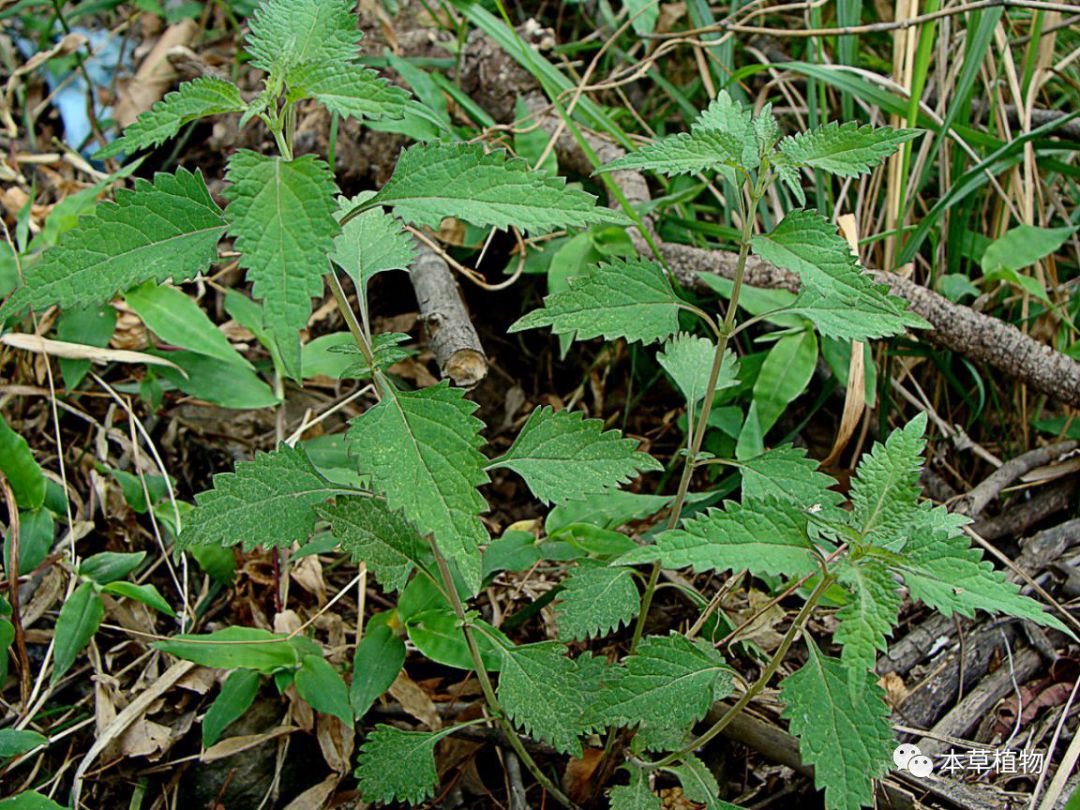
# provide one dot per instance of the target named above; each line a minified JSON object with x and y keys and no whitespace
{"x":636,"y":795}
{"x":950,"y":575}
{"x":768,"y":537}
{"x":147,"y":594}
{"x":543,"y":693}
{"x":377,"y":662}
{"x":351,"y":91}
{"x":596,"y":600}
{"x":266,"y":502}
{"x":323,"y":688}
{"x":288,"y":33}
{"x":168,"y":228}
{"x":561,"y":455}
{"x":204,"y":96}
{"x":17,"y":741}
{"x":626,"y":298}
{"x":438,"y":635}
{"x":723,"y":136}
{"x":371,"y":243}
{"x":841,"y":300}
{"x":846,"y":736}
{"x":845,"y":149}
{"x":421,"y":450}
{"x":870,"y":616}
{"x":688,"y":360}
{"x":233,"y":648}
{"x":396,"y":765}
{"x":668,"y":684}
{"x":370,"y":531}
{"x":885,"y":489}
{"x":435,"y":181}
{"x":282,"y":215}
{"x":78,"y":621}
{"x":698,"y":783}
{"x":236,"y":696}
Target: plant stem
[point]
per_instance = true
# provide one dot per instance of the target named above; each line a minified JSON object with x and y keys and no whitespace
{"x":489,"y":690}
{"x":761,"y":682}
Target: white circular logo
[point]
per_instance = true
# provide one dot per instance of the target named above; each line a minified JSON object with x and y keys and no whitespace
{"x":909,"y":758}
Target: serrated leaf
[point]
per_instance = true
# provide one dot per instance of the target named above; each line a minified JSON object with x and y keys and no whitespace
{"x":199,"y":98}
{"x":396,"y":765}
{"x":846,"y":736}
{"x":421,"y":450}
{"x":688,"y":360}
{"x":596,"y":600}
{"x":351,"y":91}
{"x":636,"y":795}
{"x":282,"y":215}
{"x":845,"y":149}
{"x":544,"y":693}
{"x":370,"y":531}
{"x":787,"y":472}
{"x":154,"y":231}
{"x":950,"y":575}
{"x":766,"y":537}
{"x":698,"y":782}
{"x":385,"y":351}
{"x":435,"y":181}
{"x":561,"y":455}
{"x":885,"y":488}
{"x":288,"y":33}
{"x":870,"y":616}
{"x":668,"y":684}
{"x":626,"y":298}
{"x":371,"y":243}
{"x":836,"y":294}
{"x":722,"y":137}
{"x":266,"y":502}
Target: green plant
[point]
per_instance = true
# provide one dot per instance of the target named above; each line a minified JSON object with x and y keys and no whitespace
{"x":413,"y":515}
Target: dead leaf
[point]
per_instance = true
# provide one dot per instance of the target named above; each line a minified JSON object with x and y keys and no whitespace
{"x":578,"y":777}
{"x":155,"y":75}
{"x":307,"y":573}
{"x":145,"y":738}
{"x":232,"y":746}
{"x":336,"y":741}
{"x":315,"y":797}
{"x":896,"y":691}
{"x":415,"y":701}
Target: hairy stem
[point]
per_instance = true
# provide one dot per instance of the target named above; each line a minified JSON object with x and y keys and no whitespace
{"x":489,"y":690}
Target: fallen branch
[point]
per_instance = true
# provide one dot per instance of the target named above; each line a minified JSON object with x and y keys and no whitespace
{"x":975,"y":501}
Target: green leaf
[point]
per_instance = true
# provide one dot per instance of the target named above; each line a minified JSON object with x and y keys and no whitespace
{"x":841,"y":300}
{"x":351,"y":91}
{"x":698,"y":782}
{"x":785,"y":374}
{"x":323,"y":688}
{"x":1022,"y":246}
{"x":168,"y":228}
{"x":228,"y":385}
{"x":626,"y":298}
{"x":78,"y":621}
{"x":90,"y":326}
{"x":237,"y":694}
{"x":177,"y":319}
{"x":542,"y":692}
{"x":688,"y":360}
{"x":371,"y":243}
{"x":787,"y":472}
{"x":595,"y":601}
{"x":147,"y":594}
{"x":396,"y":765}
{"x":17,"y":741}
{"x":669,"y":684}
{"x":21,"y":469}
{"x":766,"y":537}
{"x":636,"y":795}
{"x":109,"y":566}
{"x":845,"y":736}
{"x":378,"y":660}
{"x":267,"y":502}
{"x":845,"y":149}
{"x":885,"y":489}
{"x":561,"y":455}
{"x":370,"y":531}
{"x":870,"y":616}
{"x":421,"y":450}
{"x":722,"y":137}
{"x":204,"y":96}
{"x":950,"y":575}
{"x":29,"y":800}
{"x":435,"y":181}
{"x":288,"y":33}
{"x":282,"y":215}
{"x":437,"y":634}
{"x":234,"y":648}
